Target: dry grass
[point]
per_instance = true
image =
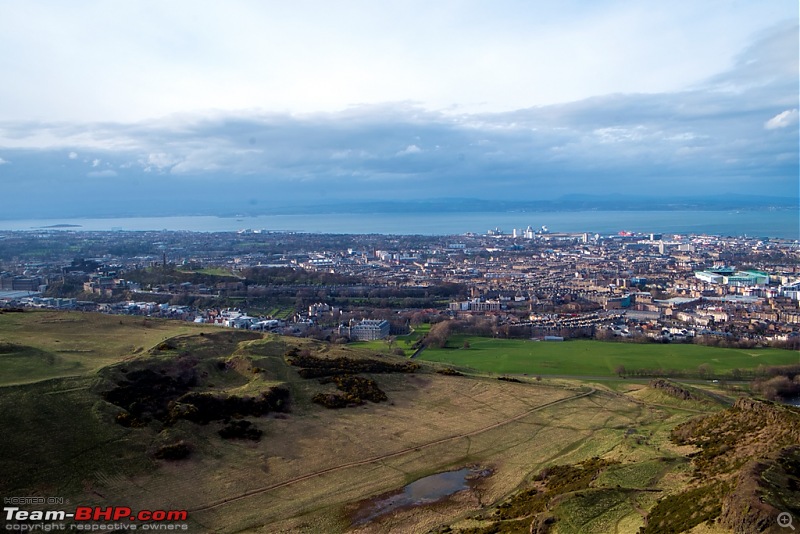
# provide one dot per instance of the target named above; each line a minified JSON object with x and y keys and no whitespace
{"x":313,"y":466}
{"x":59,"y":344}
{"x":417,"y":435}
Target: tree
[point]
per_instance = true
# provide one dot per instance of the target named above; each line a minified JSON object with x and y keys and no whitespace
{"x":466,"y":344}
{"x":704,"y":370}
{"x":620,"y":371}
{"x":438,"y":334}
{"x":604,"y":334}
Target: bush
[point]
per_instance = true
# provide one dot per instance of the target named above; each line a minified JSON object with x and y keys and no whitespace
{"x":332,"y":400}
{"x":240,"y":430}
{"x":357,"y":388}
{"x":173,"y":451}
{"x":314,"y":367}
{"x":205,"y":407}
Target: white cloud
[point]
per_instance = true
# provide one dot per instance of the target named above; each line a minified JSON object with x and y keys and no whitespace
{"x":3,"y":161}
{"x":465,"y":55}
{"x":410,"y":149}
{"x":159,"y":161}
{"x":782,"y":120}
{"x":73,"y":155}
{"x":616,"y":134}
{"x":95,"y":162}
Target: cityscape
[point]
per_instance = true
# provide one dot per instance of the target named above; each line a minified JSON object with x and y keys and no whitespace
{"x":529,"y":283}
{"x":454,"y":267}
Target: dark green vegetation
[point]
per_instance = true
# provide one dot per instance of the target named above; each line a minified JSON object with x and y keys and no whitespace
{"x":341,"y":372}
{"x":600,"y":359}
{"x":173,"y":384}
{"x":449,"y":371}
{"x":314,"y":367}
{"x":729,"y":439}
{"x":357,"y":389}
{"x":240,"y":429}
{"x":683,"y":511}
{"x":553,"y":482}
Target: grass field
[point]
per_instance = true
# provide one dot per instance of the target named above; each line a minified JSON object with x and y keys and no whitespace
{"x":596,"y":358}
{"x":276,"y":312}
{"x":214,"y":271}
{"x":50,"y":344}
{"x":313,"y":467}
{"x":405,"y":342}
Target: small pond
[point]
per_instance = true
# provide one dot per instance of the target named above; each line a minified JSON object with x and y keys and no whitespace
{"x":426,"y":490}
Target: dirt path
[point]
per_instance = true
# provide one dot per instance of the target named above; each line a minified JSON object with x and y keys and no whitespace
{"x":383,"y":457}
{"x":665,"y":406}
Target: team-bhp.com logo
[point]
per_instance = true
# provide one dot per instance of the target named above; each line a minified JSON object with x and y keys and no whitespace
{"x":87,"y":517}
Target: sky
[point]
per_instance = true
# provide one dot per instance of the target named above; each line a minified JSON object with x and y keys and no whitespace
{"x":113,"y":107}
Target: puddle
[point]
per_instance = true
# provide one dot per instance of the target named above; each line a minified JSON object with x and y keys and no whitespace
{"x":426,"y":490}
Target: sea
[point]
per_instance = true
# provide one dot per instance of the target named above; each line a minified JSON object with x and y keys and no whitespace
{"x":784,"y":224}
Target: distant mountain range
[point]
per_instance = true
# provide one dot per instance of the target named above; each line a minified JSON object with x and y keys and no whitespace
{"x":565,"y":203}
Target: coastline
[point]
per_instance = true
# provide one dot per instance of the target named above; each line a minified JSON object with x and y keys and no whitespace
{"x":781,"y":224}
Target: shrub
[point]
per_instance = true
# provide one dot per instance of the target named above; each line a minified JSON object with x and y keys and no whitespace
{"x":240,"y":430}
{"x":173,"y":451}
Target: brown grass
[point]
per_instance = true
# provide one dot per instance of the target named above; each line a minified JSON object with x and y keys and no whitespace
{"x":77,"y":343}
{"x":233,"y":487}
{"x":312,"y":465}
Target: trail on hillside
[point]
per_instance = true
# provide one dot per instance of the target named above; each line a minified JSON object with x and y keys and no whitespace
{"x":383,"y":457}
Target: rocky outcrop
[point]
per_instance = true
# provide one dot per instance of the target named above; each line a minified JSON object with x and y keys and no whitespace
{"x":674,"y":390}
{"x":764,"y":488}
{"x":769,"y":412}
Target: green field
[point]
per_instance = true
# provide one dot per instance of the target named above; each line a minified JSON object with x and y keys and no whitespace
{"x":47,"y":344}
{"x":405,"y":342}
{"x":213,"y":271}
{"x":596,"y":358}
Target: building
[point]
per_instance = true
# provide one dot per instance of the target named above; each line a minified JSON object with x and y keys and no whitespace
{"x":19,"y":283}
{"x":708,"y":277}
{"x":367,"y":330}
{"x":475,"y":305}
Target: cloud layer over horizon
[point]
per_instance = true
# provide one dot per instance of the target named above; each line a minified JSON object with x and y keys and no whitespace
{"x":734,"y":131}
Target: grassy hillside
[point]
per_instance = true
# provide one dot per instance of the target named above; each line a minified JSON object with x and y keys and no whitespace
{"x":173,"y":416}
{"x":37,"y":345}
{"x":596,"y":358}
